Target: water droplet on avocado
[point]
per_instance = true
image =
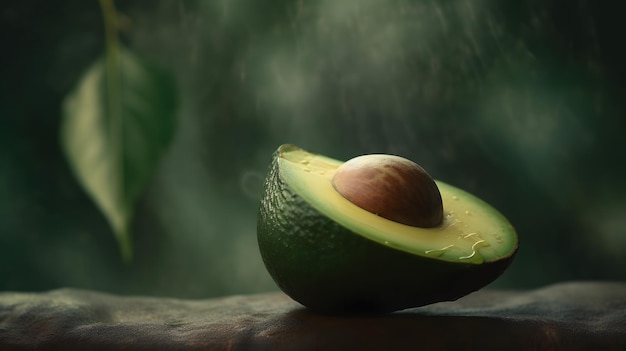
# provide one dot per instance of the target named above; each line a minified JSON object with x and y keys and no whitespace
{"x":468,"y":213}
{"x":438,"y":252}
{"x":475,"y":247}
{"x":469,"y":235}
{"x":454,"y":197}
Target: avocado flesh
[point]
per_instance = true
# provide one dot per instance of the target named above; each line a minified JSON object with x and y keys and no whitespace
{"x":333,"y":257}
{"x":471,"y":232}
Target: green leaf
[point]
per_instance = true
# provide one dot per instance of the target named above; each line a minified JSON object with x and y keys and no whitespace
{"x":116,"y":125}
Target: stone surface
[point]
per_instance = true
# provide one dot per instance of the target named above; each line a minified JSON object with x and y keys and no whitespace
{"x":568,"y":316}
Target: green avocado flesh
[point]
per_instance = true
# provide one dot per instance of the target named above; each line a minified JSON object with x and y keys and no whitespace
{"x":333,"y":256}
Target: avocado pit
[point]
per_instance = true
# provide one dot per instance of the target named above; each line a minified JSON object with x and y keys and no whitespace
{"x":392,"y":187}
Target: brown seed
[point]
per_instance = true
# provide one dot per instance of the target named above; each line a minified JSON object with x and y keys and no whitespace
{"x":392,"y":187}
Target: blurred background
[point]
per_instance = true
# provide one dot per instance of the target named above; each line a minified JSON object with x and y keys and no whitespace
{"x":521,"y":102}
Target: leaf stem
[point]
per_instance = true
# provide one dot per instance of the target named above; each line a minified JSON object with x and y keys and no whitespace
{"x":113,"y":99}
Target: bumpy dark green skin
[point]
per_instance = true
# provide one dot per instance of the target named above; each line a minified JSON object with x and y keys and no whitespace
{"x":328,"y":268}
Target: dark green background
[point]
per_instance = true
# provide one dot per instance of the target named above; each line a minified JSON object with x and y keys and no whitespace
{"x":519,"y":102}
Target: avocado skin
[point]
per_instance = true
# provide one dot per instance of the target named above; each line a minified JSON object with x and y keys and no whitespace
{"x":330,"y":269}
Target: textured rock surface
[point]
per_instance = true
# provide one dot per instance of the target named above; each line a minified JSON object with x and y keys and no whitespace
{"x":568,"y":316}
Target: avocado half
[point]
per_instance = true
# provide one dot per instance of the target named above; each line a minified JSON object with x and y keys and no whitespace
{"x":335,"y":257}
